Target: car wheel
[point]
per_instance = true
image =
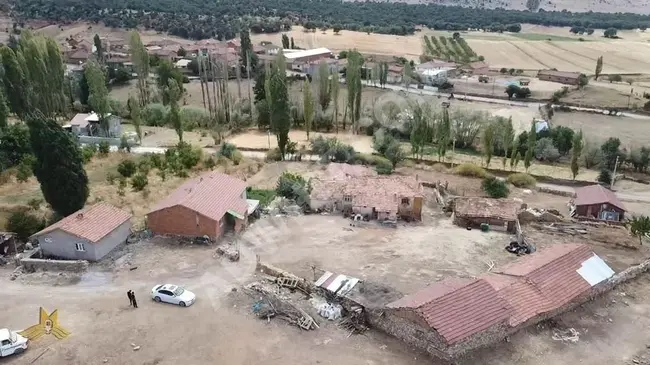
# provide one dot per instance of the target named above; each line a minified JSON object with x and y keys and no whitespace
{"x":157,"y":299}
{"x":18,"y":351}
{"x":182,"y":304}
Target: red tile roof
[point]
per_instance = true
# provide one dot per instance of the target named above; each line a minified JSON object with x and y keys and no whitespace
{"x":92,"y":223}
{"x":457,"y":309}
{"x":211,"y":194}
{"x":596,"y":194}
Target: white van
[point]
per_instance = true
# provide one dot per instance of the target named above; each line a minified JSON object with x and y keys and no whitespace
{"x":11,"y":343}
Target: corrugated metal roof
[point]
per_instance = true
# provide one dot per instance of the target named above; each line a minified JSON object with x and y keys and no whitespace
{"x":596,"y":194}
{"x":306,"y":53}
{"x":92,"y":223}
{"x":211,"y":195}
{"x":339,"y":284}
{"x":457,"y":309}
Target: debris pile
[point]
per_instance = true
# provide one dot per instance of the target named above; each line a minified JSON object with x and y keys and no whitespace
{"x":568,"y":228}
{"x":355,"y":322}
{"x":229,"y":252}
{"x":568,"y":335}
{"x":272,"y":305}
{"x":519,"y":249}
{"x":530,"y":215}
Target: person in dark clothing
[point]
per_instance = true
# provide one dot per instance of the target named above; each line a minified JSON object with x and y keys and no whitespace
{"x":129,"y":294}
{"x":135,"y":303}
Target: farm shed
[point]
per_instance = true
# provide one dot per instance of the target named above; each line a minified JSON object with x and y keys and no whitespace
{"x":500,"y":214}
{"x":563,"y":77}
{"x":598,"y":202}
{"x":208,"y":205}
{"x":88,"y":234}
{"x":451,"y":317}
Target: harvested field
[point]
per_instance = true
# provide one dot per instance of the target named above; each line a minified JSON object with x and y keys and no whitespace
{"x":631,"y":131}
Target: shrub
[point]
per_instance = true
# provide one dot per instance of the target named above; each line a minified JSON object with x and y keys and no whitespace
{"x":124,"y":145}
{"x":35,"y":203}
{"x":139,"y":182}
{"x":88,"y":151}
{"x":118,"y":108}
{"x":273,"y":155}
{"x":155,"y":115}
{"x":605,"y":177}
{"x":264,"y":196}
{"x":494,"y":187}
{"x":209,"y":163}
{"x":615,"y":78}
{"x":227,"y":149}
{"x":24,"y":172}
{"x":522,"y":180}
{"x":470,"y":170}
{"x":126,"y":168}
{"x":194,"y":117}
{"x":293,"y":186}
{"x":236,"y":157}
{"x":103,"y":148}
{"x":110,"y":178}
{"x":144,"y":166}
{"x":24,"y":224}
{"x":546,"y":151}
{"x":188,"y":155}
{"x":383,"y":166}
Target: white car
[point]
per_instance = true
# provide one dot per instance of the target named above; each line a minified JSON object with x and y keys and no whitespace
{"x":173,"y":294}
{"x":11,"y":342}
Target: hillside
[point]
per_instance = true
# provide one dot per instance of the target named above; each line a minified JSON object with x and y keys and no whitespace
{"x":578,"y":6}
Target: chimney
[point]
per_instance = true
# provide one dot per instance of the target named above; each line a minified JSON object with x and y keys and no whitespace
{"x":80,"y":216}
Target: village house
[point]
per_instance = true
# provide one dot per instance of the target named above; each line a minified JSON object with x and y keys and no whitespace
{"x":84,"y":124}
{"x":454,"y":316}
{"x":77,"y":56}
{"x":308,"y":55}
{"x":356,"y":190}
{"x":209,"y":205}
{"x":88,"y":234}
{"x":563,"y":77}
{"x":597,"y":202}
{"x":499,"y":214}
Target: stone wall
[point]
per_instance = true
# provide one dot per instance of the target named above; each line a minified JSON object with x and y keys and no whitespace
{"x":34,"y":264}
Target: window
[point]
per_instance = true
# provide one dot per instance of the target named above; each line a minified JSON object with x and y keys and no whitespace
{"x":405,"y":200}
{"x":80,"y":247}
{"x":6,"y":343}
{"x":347,"y":198}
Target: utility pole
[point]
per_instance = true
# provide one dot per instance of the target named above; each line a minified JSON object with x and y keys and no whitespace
{"x":611,"y":185}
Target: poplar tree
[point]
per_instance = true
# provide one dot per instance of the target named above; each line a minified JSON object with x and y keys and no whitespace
{"x":599,"y":67}
{"x":576,"y":152}
{"x":508,"y":136}
{"x":530,"y":150}
{"x":278,"y":100}
{"x":488,"y":143}
{"x":174,"y":112}
{"x":14,"y":82}
{"x":135,"y":114}
{"x":4,"y":111}
{"x":308,"y":107}
{"x":99,"y":49}
{"x":98,"y":93}
{"x":335,"y":86}
{"x":443,"y":135}
{"x":324,"y":96}
{"x":140,"y":59}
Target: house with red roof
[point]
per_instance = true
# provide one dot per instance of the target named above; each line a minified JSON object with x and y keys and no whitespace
{"x":597,"y":202}
{"x":209,"y":205}
{"x":454,"y":316}
{"x":88,"y":234}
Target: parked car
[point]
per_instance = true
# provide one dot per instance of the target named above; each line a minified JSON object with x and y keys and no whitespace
{"x":11,"y":343}
{"x":172,"y":294}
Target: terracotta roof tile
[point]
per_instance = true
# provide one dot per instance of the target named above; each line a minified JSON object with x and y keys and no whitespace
{"x":211,"y":194}
{"x":92,"y":223}
{"x":596,"y":194}
{"x":458,"y":312}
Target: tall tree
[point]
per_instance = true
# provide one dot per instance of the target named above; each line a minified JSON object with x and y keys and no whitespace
{"x":308,"y":107}
{"x":324,"y":96}
{"x":14,"y":82}
{"x":99,"y":49}
{"x":174,"y":111}
{"x":293,"y":44}
{"x":443,"y":134}
{"x":278,"y":101}
{"x":599,"y":67}
{"x":353,"y":82}
{"x":166,"y":72}
{"x":335,"y":86}
{"x":422,"y":129}
{"x":487,"y":141}
{"x":383,"y":76}
{"x":530,"y":149}
{"x":58,"y":166}
{"x":576,"y":151}
{"x":98,"y":93}
{"x":246,"y":47}
{"x":4,"y":111}
{"x":508,"y":139}
{"x":140,"y":59}
{"x":285,"y":41}
{"x":136,"y":116}
{"x":407,"y":75}
{"x":56,"y":78}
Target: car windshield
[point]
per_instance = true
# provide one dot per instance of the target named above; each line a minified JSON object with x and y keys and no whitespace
{"x":13,"y":337}
{"x":178,"y":291}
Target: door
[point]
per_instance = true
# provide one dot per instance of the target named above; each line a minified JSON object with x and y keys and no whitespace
{"x":166,"y":296}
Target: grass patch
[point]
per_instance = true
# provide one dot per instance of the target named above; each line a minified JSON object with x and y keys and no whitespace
{"x":470,"y":170}
{"x":522,"y":180}
{"x":264,"y":196}
{"x":544,"y":37}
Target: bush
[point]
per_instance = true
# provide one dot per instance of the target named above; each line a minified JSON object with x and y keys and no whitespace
{"x":236,"y":157}
{"x":35,"y":203}
{"x":139,"y":182}
{"x":24,"y":172}
{"x":124,"y":145}
{"x":470,"y":170}
{"x":605,"y":177}
{"x":264,"y":196}
{"x":227,"y":149}
{"x":293,"y":186}
{"x":88,"y":151}
{"x":144,"y":166}
{"x":546,"y":151}
{"x":192,"y":117}
{"x":494,"y":187}
{"x":383,"y":166}
{"x":615,"y":78}
{"x":273,"y":155}
{"x":522,"y":180}
{"x":24,"y":224}
{"x":110,"y":178}
{"x":103,"y":148}
{"x":189,"y":156}
{"x":209,"y":163}
{"x":118,"y":108}
{"x":155,"y":115}
{"x":126,"y":168}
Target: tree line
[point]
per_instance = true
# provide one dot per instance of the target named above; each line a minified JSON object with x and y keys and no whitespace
{"x":197,"y":19}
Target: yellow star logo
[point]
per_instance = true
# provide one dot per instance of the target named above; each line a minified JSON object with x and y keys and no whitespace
{"x":47,"y":324}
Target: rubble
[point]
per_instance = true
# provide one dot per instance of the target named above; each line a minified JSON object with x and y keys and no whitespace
{"x":355,"y":322}
{"x":540,"y":215}
{"x":568,"y":335}
{"x":230,"y":253}
{"x":271,"y":305}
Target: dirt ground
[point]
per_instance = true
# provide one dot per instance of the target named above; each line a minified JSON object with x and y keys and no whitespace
{"x":632,"y":132}
{"x":497,"y":85}
{"x":608,"y":96}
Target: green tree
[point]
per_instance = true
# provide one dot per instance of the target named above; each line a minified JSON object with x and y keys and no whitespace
{"x":308,"y":106}
{"x":278,"y":98}
{"x":487,"y":141}
{"x":395,"y":153}
{"x":15,"y":83}
{"x":58,"y":166}
{"x":166,"y":72}
{"x":576,"y":151}
{"x":495,"y":187}
{"x":245,"y":47}
{"x":140,"y":59}
{"x":605,"y":177}
{"x":610,"y":33}
{"x":99,"y":49}
{"x":353,"y":82}
{"x":135,"y":114}
{"x":174,"y":110}
{"x":508,"y":140}
{"x":443,"y":134}
{"x":181,"y":52}
{"x":583,"y":80}
{"x":98,"y":97}
{"x":4,"y":112}
{"x":599,"y":67}
{"x":293,"y":44}
{"x":285,"y":42}
{"x":611,"y":151}
{"x":530,"y":150}
{"x":383,"y":76}
{"x":334,"y":95}
{"x":422,"y":128}
{"x":640,"y":227}
{"x":324,"y":96}
{"x":24,"y":224}
{"x":615,"y":78}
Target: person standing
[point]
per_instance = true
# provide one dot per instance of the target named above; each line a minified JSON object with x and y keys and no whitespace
{"x":135,"y":303}
{"x":129,"y":294}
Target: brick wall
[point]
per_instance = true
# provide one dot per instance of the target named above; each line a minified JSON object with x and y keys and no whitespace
{"x":182,"y":221}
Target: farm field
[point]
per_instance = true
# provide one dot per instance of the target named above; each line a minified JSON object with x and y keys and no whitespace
{"x":632,"y":132}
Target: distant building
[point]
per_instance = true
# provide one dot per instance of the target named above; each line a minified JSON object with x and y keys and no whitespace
{"x":309,"y":55}
{"x":434,"y":77}
{"x":476,"y":68}
{"x":78,"y":56}
{"x":500,"y":214}
{"x":84,"y":124}
{"x":597,"y":202}
{"x":88,"y":234}
{"x":563,"y":77}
